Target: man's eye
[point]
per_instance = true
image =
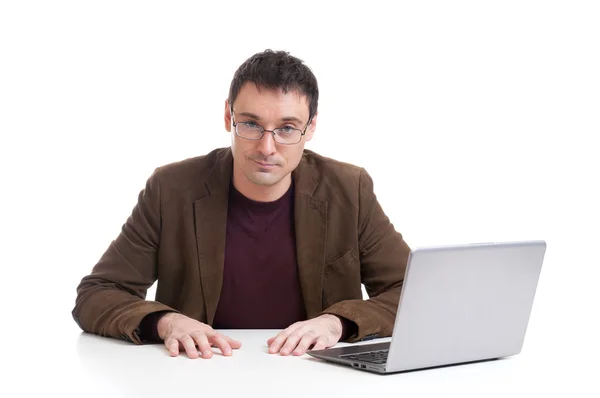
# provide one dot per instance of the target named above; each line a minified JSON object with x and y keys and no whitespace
{"x":287,"y":129}
{"x":252,"y":125}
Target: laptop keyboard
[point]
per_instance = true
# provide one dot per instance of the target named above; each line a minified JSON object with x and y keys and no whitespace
{"x":377,"y":357}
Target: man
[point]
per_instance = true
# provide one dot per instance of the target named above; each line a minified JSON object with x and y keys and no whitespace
{"x":262,"y":234}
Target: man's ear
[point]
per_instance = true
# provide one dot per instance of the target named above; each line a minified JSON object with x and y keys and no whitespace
{"x":310,"y":130}
{"x":227,"y":116}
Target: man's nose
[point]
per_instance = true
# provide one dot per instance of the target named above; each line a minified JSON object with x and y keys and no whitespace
{"x":266,"y":144}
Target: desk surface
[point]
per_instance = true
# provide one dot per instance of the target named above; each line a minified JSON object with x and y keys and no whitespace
{"x":90,"y":366}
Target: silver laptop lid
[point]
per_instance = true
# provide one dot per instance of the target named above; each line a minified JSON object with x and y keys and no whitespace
{"x":465,"y":303}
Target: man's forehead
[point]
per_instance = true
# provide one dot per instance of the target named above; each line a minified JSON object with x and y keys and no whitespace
{"x":260,"y":100}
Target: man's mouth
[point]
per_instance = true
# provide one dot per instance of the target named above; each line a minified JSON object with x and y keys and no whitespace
{"x":263,"y":164}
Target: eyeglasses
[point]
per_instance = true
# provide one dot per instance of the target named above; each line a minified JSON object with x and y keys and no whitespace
{"x":284,"y":135}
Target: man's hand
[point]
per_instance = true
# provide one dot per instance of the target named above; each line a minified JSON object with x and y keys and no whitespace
{"x":322,"y":332}
{"x":178,"y":331}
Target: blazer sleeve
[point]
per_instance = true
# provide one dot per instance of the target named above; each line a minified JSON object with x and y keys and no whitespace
{"x":111,"y":299}
{"x":383,"y":257}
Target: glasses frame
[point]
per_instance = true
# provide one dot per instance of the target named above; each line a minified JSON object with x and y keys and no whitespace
{"x":262,"y":134}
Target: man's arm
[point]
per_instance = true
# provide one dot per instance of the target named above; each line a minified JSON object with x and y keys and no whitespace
{"x":111,"y":299}
{"x":383,"y":258}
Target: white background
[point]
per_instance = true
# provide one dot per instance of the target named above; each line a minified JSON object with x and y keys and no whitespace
{"x":477,"y":120}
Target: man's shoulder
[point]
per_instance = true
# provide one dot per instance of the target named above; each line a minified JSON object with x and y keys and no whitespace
{"x":332,"y":168}
{"x":334,"y":172}
{"x":339,"y":182}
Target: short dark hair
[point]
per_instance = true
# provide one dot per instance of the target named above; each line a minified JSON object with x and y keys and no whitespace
{"x":277,"y":70}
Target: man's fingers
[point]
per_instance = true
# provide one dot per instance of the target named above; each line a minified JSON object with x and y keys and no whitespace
{"x":305,"y":342}
{"x":172,"y":346}
{"x":190,"y":346}
{"x":203,"y":345}
{"x":233,"y":343}
{"x":276,"y":342}
{"x":320,"y":344}
{"x":221,"y":343}
{"x":292,"y":341}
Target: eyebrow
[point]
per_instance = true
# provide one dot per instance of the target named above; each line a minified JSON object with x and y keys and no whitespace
{"x":283,"y":119}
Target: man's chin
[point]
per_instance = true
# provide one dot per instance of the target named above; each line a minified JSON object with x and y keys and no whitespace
{"x":265,"y":179}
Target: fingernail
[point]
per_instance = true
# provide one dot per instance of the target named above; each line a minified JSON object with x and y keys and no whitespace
{"x":206,"y":353}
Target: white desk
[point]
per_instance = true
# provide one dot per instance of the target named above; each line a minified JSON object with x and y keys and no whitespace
{"x":90,"y":366}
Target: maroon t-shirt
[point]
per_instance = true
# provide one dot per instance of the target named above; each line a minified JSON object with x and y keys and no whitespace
{"x":261,"y":288}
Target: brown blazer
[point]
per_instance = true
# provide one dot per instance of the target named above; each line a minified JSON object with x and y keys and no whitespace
{"x":176,"y":235}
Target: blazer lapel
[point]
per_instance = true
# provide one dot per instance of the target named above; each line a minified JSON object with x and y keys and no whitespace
{"x":210,"y":214}
{"x":311,"y":230}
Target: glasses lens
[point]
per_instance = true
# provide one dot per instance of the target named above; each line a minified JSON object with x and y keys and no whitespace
{"x":288,"y":135}
{"x":249,"y":130}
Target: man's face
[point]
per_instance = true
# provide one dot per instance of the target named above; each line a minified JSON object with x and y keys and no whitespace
{"x":265,"y":162}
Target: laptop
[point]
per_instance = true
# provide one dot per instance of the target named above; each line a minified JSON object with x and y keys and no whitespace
{"x":459,"y":304}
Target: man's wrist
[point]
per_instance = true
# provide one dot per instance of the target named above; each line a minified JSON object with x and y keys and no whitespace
{"x":163,"y":324}
{"x":341,"y":323}
{"x":348,"y":328}
{"x":149,"y":327}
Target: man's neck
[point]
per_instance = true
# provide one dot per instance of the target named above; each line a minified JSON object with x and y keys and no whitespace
{"x":261,"y":193}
